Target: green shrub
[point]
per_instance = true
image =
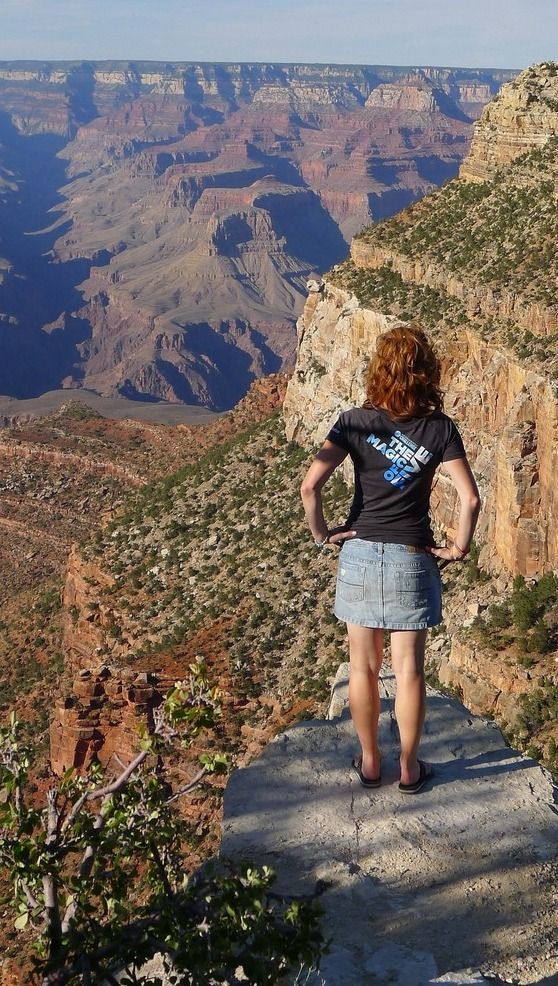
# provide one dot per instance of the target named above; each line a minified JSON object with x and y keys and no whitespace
{"x":102,"y":885}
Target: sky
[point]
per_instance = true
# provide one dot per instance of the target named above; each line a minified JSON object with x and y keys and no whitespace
{"x":472,"y":33}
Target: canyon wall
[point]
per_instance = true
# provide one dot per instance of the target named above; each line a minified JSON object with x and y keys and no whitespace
{"x":182,"y":207}
{"x":502,"y":392}
{"x":522,"y":116}
{"x":506,"y":412}
{"x":475,"y":263}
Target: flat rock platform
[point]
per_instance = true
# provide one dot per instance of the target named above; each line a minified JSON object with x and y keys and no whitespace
{"x":454,"y":884}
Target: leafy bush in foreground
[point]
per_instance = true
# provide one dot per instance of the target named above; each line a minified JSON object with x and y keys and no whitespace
{"x":99,"y":880}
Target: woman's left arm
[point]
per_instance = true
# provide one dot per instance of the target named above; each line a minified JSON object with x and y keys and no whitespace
{"x":325,"y":463}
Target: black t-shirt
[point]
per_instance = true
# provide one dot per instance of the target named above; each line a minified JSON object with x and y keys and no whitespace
{"x":394,"y":463}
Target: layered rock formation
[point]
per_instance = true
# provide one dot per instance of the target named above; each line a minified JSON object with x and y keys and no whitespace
{"x":507,"y":413}
{"x":101,"y":716}
{"x":499,"y":384}
{"x":522,"y":116}
{"x":202,"y":197}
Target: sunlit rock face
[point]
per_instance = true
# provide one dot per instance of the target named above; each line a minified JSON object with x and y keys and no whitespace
{"x":495,"y":330}
{"x":522,"y":116}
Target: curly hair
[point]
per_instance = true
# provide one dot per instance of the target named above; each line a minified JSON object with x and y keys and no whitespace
{"x":404,"y":373}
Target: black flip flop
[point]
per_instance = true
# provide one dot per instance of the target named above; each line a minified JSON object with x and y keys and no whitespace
{"x":421,"y":780}
{"x":365,"y":781}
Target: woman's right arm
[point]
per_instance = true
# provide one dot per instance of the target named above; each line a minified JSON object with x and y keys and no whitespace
{"x":462,"y":478}
{"x":324,"y":465}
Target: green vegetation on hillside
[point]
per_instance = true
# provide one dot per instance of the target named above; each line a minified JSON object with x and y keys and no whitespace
{"x":98,"y":879}
{"x":523,"y":629}
{"x":502,"y":232}
{"x":384,"y":288}
{"x":31,"y":660}
{"x":528,"y":619}
{"x":224,"y":542}
{"x":531,"y":611}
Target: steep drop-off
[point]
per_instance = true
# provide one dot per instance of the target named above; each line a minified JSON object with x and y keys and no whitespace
{"x":177,"y":211}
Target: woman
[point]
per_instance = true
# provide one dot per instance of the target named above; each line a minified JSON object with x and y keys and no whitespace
{"x":388,"y":578}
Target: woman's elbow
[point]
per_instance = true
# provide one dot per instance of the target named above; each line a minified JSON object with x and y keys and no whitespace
{"x":473,"y":501}
{"x":308,"y":487}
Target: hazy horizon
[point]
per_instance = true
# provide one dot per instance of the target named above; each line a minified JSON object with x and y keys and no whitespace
{"x":255,"y":61}
{"x":496,"y":34}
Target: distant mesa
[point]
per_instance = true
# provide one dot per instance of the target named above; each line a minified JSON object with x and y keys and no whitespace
{"x":179,"y":210}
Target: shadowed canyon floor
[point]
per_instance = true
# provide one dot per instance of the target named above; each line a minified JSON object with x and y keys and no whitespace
{"x":459,"y":879}
{"x":14,"y":411}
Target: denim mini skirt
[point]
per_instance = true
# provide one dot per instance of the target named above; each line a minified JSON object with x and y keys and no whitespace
{"x":392,"y":586}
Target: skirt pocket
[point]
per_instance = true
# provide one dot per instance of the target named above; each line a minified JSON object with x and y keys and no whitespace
{"x":413,"y":589}
{"x":350,"y":581}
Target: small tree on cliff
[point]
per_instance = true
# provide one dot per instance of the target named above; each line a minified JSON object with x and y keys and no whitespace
{"x":99,"y":880}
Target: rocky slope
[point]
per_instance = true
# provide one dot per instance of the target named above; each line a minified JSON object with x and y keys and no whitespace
{"x":63,"y":476}
{"x":212,"y":561}
{"x":182,"y":207}
{"x":475,"y":263}
{"x":523,"y":116}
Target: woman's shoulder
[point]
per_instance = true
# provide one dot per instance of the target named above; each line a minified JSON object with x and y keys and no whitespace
{"x":360,"y":409}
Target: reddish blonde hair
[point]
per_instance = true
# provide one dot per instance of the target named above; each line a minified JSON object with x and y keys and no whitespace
{"x":404,"y":373}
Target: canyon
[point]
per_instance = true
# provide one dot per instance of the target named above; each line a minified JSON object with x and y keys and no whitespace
{"x":146,"y":546}
{"x":500,"y":384}
{"x":158,"y":223}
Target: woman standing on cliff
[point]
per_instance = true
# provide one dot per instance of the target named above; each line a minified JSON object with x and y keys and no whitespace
{"x":388,"y":578}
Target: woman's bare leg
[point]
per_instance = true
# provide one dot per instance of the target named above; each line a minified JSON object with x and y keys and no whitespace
{"x":366,"y":646}
{"x":407,"y":658}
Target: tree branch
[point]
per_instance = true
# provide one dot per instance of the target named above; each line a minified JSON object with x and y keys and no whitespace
{"x":29,"y":895}
{"x":162,"y":871}
{"x":105,"y":793}
{"x":52,"y":908}
{"x":63,"y":975}
{"x":85,"y":971}
{"x":120,"y":781}
{"x":188,"y":787}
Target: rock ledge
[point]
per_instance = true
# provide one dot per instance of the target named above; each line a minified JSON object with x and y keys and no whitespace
{"x":445,"y":886}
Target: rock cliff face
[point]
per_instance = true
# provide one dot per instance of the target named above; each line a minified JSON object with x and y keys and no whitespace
{"x":507,"y":414}
{"x":192,"y":203}
{"x":496,"y":331}
{"x":503,"y":395}
{"x":486,"y":685}
{"x":523,"y":116}
{"x":101,"y":716}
